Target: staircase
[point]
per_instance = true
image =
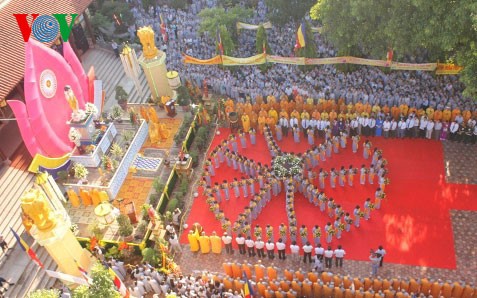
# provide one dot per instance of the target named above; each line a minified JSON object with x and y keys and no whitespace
{"x":109,"y":69}
{"x":15,"y":265}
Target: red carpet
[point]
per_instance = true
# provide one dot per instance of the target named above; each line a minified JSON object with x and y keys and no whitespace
{"x":413,"y":224}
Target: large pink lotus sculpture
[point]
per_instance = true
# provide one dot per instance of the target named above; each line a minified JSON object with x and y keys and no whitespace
{"x":44,"y":115}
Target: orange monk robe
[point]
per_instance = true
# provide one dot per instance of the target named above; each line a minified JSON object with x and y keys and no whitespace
{"x":437,"y":115}
{"x":288,"y":275}
{"x":280,"y":294}
{"x":367,"y":108}
{"x":262,"y":113}
{"x":425,"y":286}
{"x":467,"y":115}
{"x":395,"y":112}
{"x":395,"y":284}
{"x":85,"y":197}
{"x":238,"y":284}
{"x":272,"y":273}
{"x":309,"y":108}
{"x":262,"y":120}
{"x":348,"y":293}
{"x":247,"y":268}
{"x":295,"y":114}
{"x":73,"y":197}
{"x":291,"y":294}
{"x":367,"y":283}
{"x":245,"y":123}
{"x":446,"y":290}
{"x":299,"y":106}
{"x":386,"y":284}
{"x":457,"y":290}
{"x":347,"y":282}
{"x":229,"y":103}
{"x":274,"y":285}
{"x":419,"y":113}
{"x":317,"y":289}
{"x":430,"y":113}
{"x":274,"y":114}
{"x":413,"y":286}
{"x":357,"y":283}
{"x":284,"y":106}
{"x":259,"y":99}
{"x":285,"y":285}
{"x":204,"y":244}
{"x":237,"y":270}
{"x":299,"y":99}
{"x":404,"y":109}
{"x":299,"y":275}
{"x":228,"y":110}
{"x":228,"y":283}
{"x":404,"y":285}
{"x":359,"y":294}
{"x":388,"y":293}
{"x":239,"y":108}
{"x":228,"y":269}
{"x":276,"y":106}
{"x":338,"y":292}
{"x":261,"y":286}
{"x":259,"y":271}
{"x":254,"y":120}
{"x":144,"y":114}
{"x":467,"y":292}
{"x":455,"y":112}
{"x":291,"y":107}
{"x":296,"y":286}
{"x":386,"y":109}
{"x":414,"y":110}
{"x":283,"y":113}
{"x":342,"y":107}
{"x":152,"y":115}
{"x":316,"y":114}
{"x":350,"y":108}
{"x":358,"y":107}
{"x":327,"y":291}
{"x":312,"y":276}
{"x":368,"y":294}
{"x":325,"y":277}
{"x":337,"y":280}
{"x":377,"y":285}
{"x":320,"y":107}
{"x":307,"y":288}
{"x":247,"y":108}
{"x":256,"y":107}
{"x":193,"y":242}
{"x":333,"y":115}
{"x":271,"y":100}
{"x":446,"y":115}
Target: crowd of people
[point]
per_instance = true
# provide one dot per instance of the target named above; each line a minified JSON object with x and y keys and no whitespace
{"x":416,"y":89}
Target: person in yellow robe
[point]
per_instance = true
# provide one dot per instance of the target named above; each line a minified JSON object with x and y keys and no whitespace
{"x":446,"y":114}
{"x":216,"y":243}
{"x":376,"y":109}
{"x":404,"y":109}
{"x":283,"y":113}
{"x":296,"y":114}
{"x":274,"y":114}
{"x":262,"y":120}
{"x":324,"y":115}
{"x":358,"y":107}
{"x":271,"y":123}
{"x":204,"y":242}
{"x":368,"y":108}
{"x":246,"y":123}
{"x":259,"y":99}
{"x":271,"y":100}
{"x":430,"y":113}
{"x":254,"y":121}
{"x":248,"y":108}
{"x":193,"y":241}
{"x":305,"y":115}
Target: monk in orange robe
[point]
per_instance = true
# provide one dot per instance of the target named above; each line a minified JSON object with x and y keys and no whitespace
{"x":283,"y":113}
{"x":386,"y":109}
{"x":437,"y":115}
{"x":295,"y":114}
{"x":274,"y":114}
{"x":455,"y":112}
{"x":446,"y":114}
{"x":248,"y":108}
{"x":259,"y":99}
{"x":262,"y":120}
{"x":395,"y":112}
{"x":358,"y":107}
{"x":254,"y":120}
{"x":333,"y":115}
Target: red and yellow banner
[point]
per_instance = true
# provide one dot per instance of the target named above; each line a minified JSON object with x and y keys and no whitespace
{"x":254,"y":60}
{"x":286,"y":60}
{"x":414,"y":66}
{"x":212,"y":61}
{"x":448,"y":69}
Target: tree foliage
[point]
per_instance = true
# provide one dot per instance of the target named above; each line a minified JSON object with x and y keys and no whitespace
{"x":441,"y":29}
{"x":53,"y":293}
{"x":261,"y":39}
{"x":102,"y":285}
{"x":282,"y":11}
{"x":227,"y":41}
{"x":212,"y":18}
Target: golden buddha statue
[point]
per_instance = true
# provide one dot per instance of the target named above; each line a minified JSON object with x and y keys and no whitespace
{"x":35,"y":206}
{"x":146,"y":37}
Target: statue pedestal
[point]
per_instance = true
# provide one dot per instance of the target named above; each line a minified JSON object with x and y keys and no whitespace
{"x":86,"y":128}
{"x":156,"y":75}
{"x":64,"y":248}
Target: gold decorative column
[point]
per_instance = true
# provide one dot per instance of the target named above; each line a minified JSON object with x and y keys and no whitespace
{"x":153,"y":62}
{"x":53,"y":233}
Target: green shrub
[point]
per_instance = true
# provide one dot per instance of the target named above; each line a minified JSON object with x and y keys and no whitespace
{"x":150,"y":255}
{"x":172,"y":205}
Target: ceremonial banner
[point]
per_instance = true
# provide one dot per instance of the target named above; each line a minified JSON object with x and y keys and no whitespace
{"x":323,"y":61}
{"x":211,"y":61}
{"x":257,"y":59}
{"x":448,"y":69}
{"x":301,"y":36}
{"x":370,"y":62}
{"x":286,"y":60}
{"x":414,"y":66}
{"x":240,"y":25}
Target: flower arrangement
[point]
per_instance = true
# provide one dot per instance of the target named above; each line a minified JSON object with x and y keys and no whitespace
{"x":236,"y":227}
{"x":317,"y":233}
{"x":258,"y":233}
{"x":382,"y":195}
{"x":81,"y":172}
{"x":91,"y":109}
{"x":341,"y":227}
{"x":219,"y":216}
{"x":107,"y":163}
{"x":78,"y":116}
{"x":225,"y":226}
{"x":387,"y":181}
{"x":287,"y":165}
{"x":74,"y":136}
{"x":371,"y":206}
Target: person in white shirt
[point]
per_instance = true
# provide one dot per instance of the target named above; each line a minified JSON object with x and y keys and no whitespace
{"x":319,"y":251}
{"x":241,"y":244}
{"x":339,"y":255}
{"x":454,"y":127}
{"x":437,"y":129}
{"x":429,"y":129}
{"x":394,"y":126}
{"x":372,"y":126}
{"x":270,"y":246}
{"x":295,"y":251}
{"x":307,"y":249}
{"x":227,"y":240}
{"x":281,"y":249}
{"x":284,"y":125}
{"x":416,"y":128}
{"x":259,"y":246}
{"x":386,"y":128}
{"x":328,"y":254}
{"x":422,"y":127}
{"x":174,"y":242}
{"x":318,"y":264}
{"x":381,"y":252}
{"x":250,"y":247}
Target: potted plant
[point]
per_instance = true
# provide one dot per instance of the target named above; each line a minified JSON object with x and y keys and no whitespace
{"x":122,"y":97}
{"x":116,"y":113}
{"x":80,"y":172}
{"x":96,"y":230}
{"x":125,"y":227}
{"x":116,"y":151}
{"x":127,"y":136}
{"x":183,"y":98}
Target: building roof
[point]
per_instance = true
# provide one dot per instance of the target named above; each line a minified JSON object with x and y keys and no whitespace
{"x":12,"y":46}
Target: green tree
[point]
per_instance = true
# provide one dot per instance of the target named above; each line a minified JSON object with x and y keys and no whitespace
{"x":227,"y":42}
{"x":101,"y":286}
{"x":53,"y":293}
{"x":212,"y":18}
{"x":444,"y":29}
{"x":262,"y":39}
{"x":282,"y":11}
